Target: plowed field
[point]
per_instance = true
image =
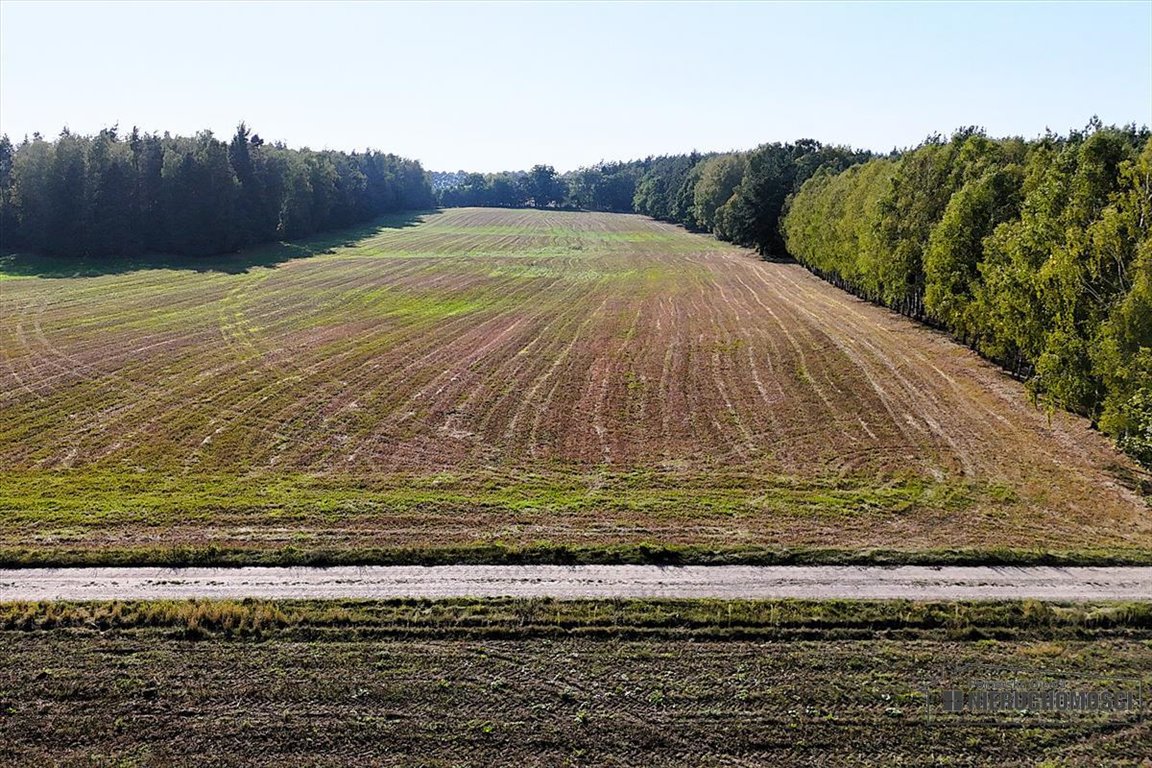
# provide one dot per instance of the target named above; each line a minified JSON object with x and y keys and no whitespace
{"x":519,"y":379}
{"x":547,"y":683}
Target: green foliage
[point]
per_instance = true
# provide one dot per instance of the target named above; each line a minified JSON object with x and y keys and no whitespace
{"x":105,"y":195}
{"x":605,"y":187}
{"x":719,"y":177}
{"x":657,"y":187}
{"x":774,"y":172}
{"x":544,"y":186}
{"x":1123,"y":353}
{"x":1037,"y":254}
{"x":1131,"y":419}
{"x":739,"y":197}
{"x":833,"y":225}
{"x":494,"y":190}
{"x":956,"y":244}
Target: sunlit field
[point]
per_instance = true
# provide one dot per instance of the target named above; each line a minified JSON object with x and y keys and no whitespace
{"x":485,"y":383}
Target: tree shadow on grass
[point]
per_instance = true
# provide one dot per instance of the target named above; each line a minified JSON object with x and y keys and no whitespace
{"x":1138,"y":478}
{"x":266,"y":255}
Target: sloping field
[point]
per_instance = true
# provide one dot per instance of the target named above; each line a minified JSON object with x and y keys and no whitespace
{"x":488,"y":381}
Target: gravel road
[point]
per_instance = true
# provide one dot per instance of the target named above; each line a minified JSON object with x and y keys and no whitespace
{"x":587,"y":581}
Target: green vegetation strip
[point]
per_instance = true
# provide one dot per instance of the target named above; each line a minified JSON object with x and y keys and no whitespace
{"x":91,"y":517}
{"x":94,"y":497}
{"x":547,"y":553}
{"x":545,"y":617}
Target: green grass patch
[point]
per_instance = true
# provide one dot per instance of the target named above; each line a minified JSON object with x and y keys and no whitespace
{"x":97,"y":516}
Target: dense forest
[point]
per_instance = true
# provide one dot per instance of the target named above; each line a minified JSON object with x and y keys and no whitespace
{"x":110,"y":195}
{"x":1035,"y":253}
{"x":737,"y":196}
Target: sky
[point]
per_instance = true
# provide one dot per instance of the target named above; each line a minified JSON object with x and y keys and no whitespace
{"x":490,"y":87}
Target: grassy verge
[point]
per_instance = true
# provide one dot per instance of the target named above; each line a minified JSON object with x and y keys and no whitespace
{"x":90,"y":518}
{"x":549,"y":554}
{"x":546,"y":617}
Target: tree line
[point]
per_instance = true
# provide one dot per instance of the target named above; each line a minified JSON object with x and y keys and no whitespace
{"x":1037,"y":254}
{"x":604,"y":187}
{"x":737,"y":196}
{"x":540,"y":187}
{"x":110,"y":195}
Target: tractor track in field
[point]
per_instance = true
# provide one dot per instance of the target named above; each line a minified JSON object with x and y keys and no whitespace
{"x":516,"y":344}
{"x":577,"y":582}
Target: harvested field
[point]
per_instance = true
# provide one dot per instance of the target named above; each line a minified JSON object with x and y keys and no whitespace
{"x":513,"y":380}
{"x":539,"y":683}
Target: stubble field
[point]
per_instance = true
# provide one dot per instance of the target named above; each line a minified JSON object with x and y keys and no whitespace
{"x":547,"y":683}
{"x":481,"y":383}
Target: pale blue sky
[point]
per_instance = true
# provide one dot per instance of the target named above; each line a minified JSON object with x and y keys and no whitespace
{"x":490,"y":87}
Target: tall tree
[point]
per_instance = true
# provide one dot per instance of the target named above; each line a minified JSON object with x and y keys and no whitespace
{"x":544,"y":186}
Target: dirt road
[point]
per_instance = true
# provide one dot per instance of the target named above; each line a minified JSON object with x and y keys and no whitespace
{"x":575,"y":582}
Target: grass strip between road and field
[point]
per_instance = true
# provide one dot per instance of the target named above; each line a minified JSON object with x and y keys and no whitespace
{"x":549,"y":553}
{"x":494,"y":618}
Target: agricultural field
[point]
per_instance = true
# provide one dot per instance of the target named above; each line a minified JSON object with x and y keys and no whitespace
{"x":483,"y":384}
{"x":546,"y":683}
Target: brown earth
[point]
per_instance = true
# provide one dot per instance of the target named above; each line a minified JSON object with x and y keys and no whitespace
{"x":485,"y":347}
{"x":612,"y":683}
